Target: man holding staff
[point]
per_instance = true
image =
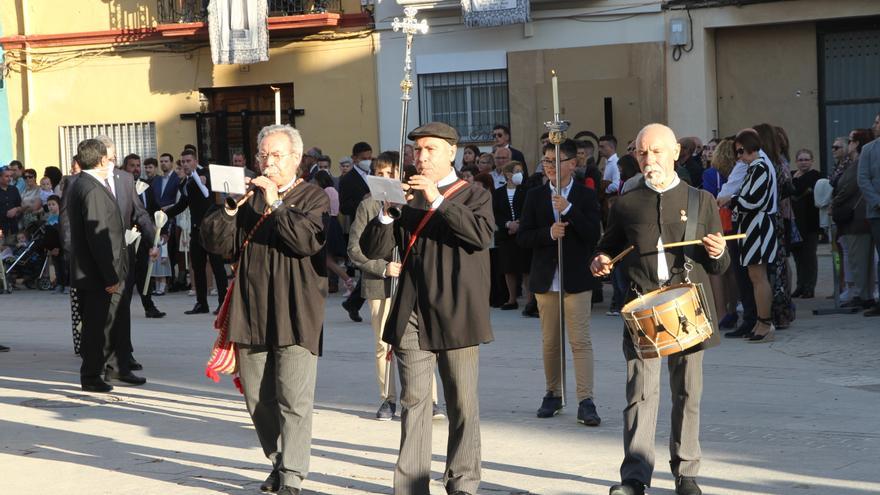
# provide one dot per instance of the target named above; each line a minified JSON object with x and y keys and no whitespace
{"x":653,"y":214}
{"x":439,"y":313}
{"x":568,"y":210}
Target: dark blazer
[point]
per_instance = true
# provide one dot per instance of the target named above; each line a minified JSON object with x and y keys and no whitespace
{"x":579,"y":242}
{"x":642,"y":216}
{"x":501,"y":209}
{"x":192,"y":198}
{"x":374,"y":283}
{"x":132,"y":207}
{"x":352,"y":189}
{"x":445,"y":279}
{"x":517,"y":155}
{"x":99,"y":257}
{"x":280,"y":285}
{"x":167,"y":196}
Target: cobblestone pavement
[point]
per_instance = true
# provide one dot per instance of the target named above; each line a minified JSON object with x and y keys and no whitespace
{"x":798,"y":416}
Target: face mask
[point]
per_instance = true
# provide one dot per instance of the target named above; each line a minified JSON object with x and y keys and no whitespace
{"x":517,"y":178}
{"x":365,"y":165}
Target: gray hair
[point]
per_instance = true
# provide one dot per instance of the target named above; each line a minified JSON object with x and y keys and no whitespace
{"x":109,"y":144}
{"x":296,"y":143}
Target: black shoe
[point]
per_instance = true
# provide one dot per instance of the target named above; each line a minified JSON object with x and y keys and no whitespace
{"x":289,"y":490}
{"x":855,"y":302}
{"x":587,"y":414}
{"x":460,"y":492}
{"x":550,"y":406}
{"x":198,"y":309}
{"x":216,"y":311}
{"x":808,"y":294}
{"x":153,"y":313}
{"x":729,"y":321}
{"x":685,"y":485}
{"x":3,"y":348}
{"x":509,"y":306}
{"x":129,"y":378}
{"x":797,"y":293}
{"x":744,"y":331}
{"x":868,"y":304}
{"x":875,"y":311}
{"x":272,"y":483}
{"x":133,"y":365}
{"x":95,"y":385}
{"x":352,"y":311}
{"x":628,"y":487}
{"x":531,"y":309}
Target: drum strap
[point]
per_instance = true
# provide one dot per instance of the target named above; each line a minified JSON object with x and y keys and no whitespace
{"x":690,"y":228}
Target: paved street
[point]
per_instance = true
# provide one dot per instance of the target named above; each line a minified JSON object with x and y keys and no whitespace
{"x":798,"y":416}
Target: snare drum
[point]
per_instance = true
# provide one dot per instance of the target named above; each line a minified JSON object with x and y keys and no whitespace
{"x":668,"y":320}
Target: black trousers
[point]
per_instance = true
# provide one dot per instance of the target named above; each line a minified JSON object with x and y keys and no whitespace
{"x":200,"y":258}
{"x":100,"y":312}
{"x":355,"y":298}
{"x":137,"y":276}
{"x":806,"y":262}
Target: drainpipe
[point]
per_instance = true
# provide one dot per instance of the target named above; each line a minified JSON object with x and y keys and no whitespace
{"x":28,"y":84}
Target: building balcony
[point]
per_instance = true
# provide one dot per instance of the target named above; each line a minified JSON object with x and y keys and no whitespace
{"x":189,"y":11}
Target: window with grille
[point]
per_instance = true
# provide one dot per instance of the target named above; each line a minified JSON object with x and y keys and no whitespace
{"x":473,"y":102}
{"x":129,"y":137}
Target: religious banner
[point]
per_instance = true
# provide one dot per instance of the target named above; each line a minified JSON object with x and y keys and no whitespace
{"x":239,"y":31}
{"x":486,"y":13}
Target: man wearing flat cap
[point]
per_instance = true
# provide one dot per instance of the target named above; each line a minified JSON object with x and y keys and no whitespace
{"x":439,"y":313}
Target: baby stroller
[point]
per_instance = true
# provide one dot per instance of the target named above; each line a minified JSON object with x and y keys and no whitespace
{"x":31,"y":261}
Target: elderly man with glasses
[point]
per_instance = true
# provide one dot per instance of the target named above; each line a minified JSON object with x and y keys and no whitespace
{"x":275,"y":311}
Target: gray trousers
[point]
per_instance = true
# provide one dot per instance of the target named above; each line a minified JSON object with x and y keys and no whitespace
{"x":640,"y":415}
{"x":459,"y":373}
{"x":279,"y":389}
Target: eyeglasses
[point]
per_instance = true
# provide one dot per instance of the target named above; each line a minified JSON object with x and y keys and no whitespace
{"x":498,"y":134}
{"x":263,"y":157}
{"x":740,"y":151}
{"x":836,"y":147}
{"x":546,"y":161}
{"x":29,"y":176}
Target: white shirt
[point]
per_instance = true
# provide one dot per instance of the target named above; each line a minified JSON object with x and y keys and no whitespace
{"x":662,"y":266}
{"x":612,"y":174}
{"x":104,"y":177}
{"x":499,"y":179}
{"x":554,"y":286}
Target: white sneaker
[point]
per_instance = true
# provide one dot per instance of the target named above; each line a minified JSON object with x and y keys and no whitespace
{"x":191,"y":292}
{"x":213,"y":292}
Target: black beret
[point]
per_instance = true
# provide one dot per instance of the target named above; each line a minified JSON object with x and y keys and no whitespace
{"x":437,"y":130}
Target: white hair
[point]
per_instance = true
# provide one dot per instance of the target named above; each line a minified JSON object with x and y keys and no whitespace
{"x":109,"y":144}
{"x":296,"y":143}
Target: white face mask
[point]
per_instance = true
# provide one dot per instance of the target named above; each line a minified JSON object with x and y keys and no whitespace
{"x":365,"y":165}
{"x":517,"y":178}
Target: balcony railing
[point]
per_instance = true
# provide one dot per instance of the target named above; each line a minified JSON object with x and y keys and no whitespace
{"x":177,"y":11}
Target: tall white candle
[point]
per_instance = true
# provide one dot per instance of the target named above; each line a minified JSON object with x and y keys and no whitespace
{"x":277,"y":104}
{"x":555,"y":94}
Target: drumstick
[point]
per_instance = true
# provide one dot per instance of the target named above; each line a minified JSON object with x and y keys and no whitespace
{"x":676,"y":244}
{"x":700,"y":241}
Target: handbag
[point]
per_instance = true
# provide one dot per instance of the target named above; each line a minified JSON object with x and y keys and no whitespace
{"x":843,"y":216}
{"x":224,"y":353}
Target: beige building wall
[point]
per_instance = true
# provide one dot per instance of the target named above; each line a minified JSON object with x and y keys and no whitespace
{"x":334,"y":82}
{"x":695,"y":91}
{"x":631,"y":74}
{"x":769,"y":74}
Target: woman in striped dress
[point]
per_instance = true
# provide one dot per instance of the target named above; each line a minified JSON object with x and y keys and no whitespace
{"x":754,"y":207}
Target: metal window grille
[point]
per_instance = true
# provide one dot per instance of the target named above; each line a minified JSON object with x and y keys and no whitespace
{"x":473,"y":102}
{"x":129,"y":137}
{"x":175,"y":11}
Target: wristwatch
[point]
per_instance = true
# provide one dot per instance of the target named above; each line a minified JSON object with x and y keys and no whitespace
{"x":276,"y":204}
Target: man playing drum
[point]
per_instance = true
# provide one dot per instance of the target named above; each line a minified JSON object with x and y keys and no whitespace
{"x":656,"y":213}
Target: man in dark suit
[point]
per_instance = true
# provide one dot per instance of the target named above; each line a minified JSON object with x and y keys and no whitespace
{"x":439,"y":314}
{"x":99,"y":265}
{"x":661,"y":210}
{"x":563,"y":209}
{"x":196,"y":195}
{"x":352,"y":190}
{"x":501,"y":137}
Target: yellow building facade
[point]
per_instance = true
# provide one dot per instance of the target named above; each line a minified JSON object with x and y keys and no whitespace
{"x":75,"y":65}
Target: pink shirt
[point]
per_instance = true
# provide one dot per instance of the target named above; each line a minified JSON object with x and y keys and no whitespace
{"x":334,"y":200}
